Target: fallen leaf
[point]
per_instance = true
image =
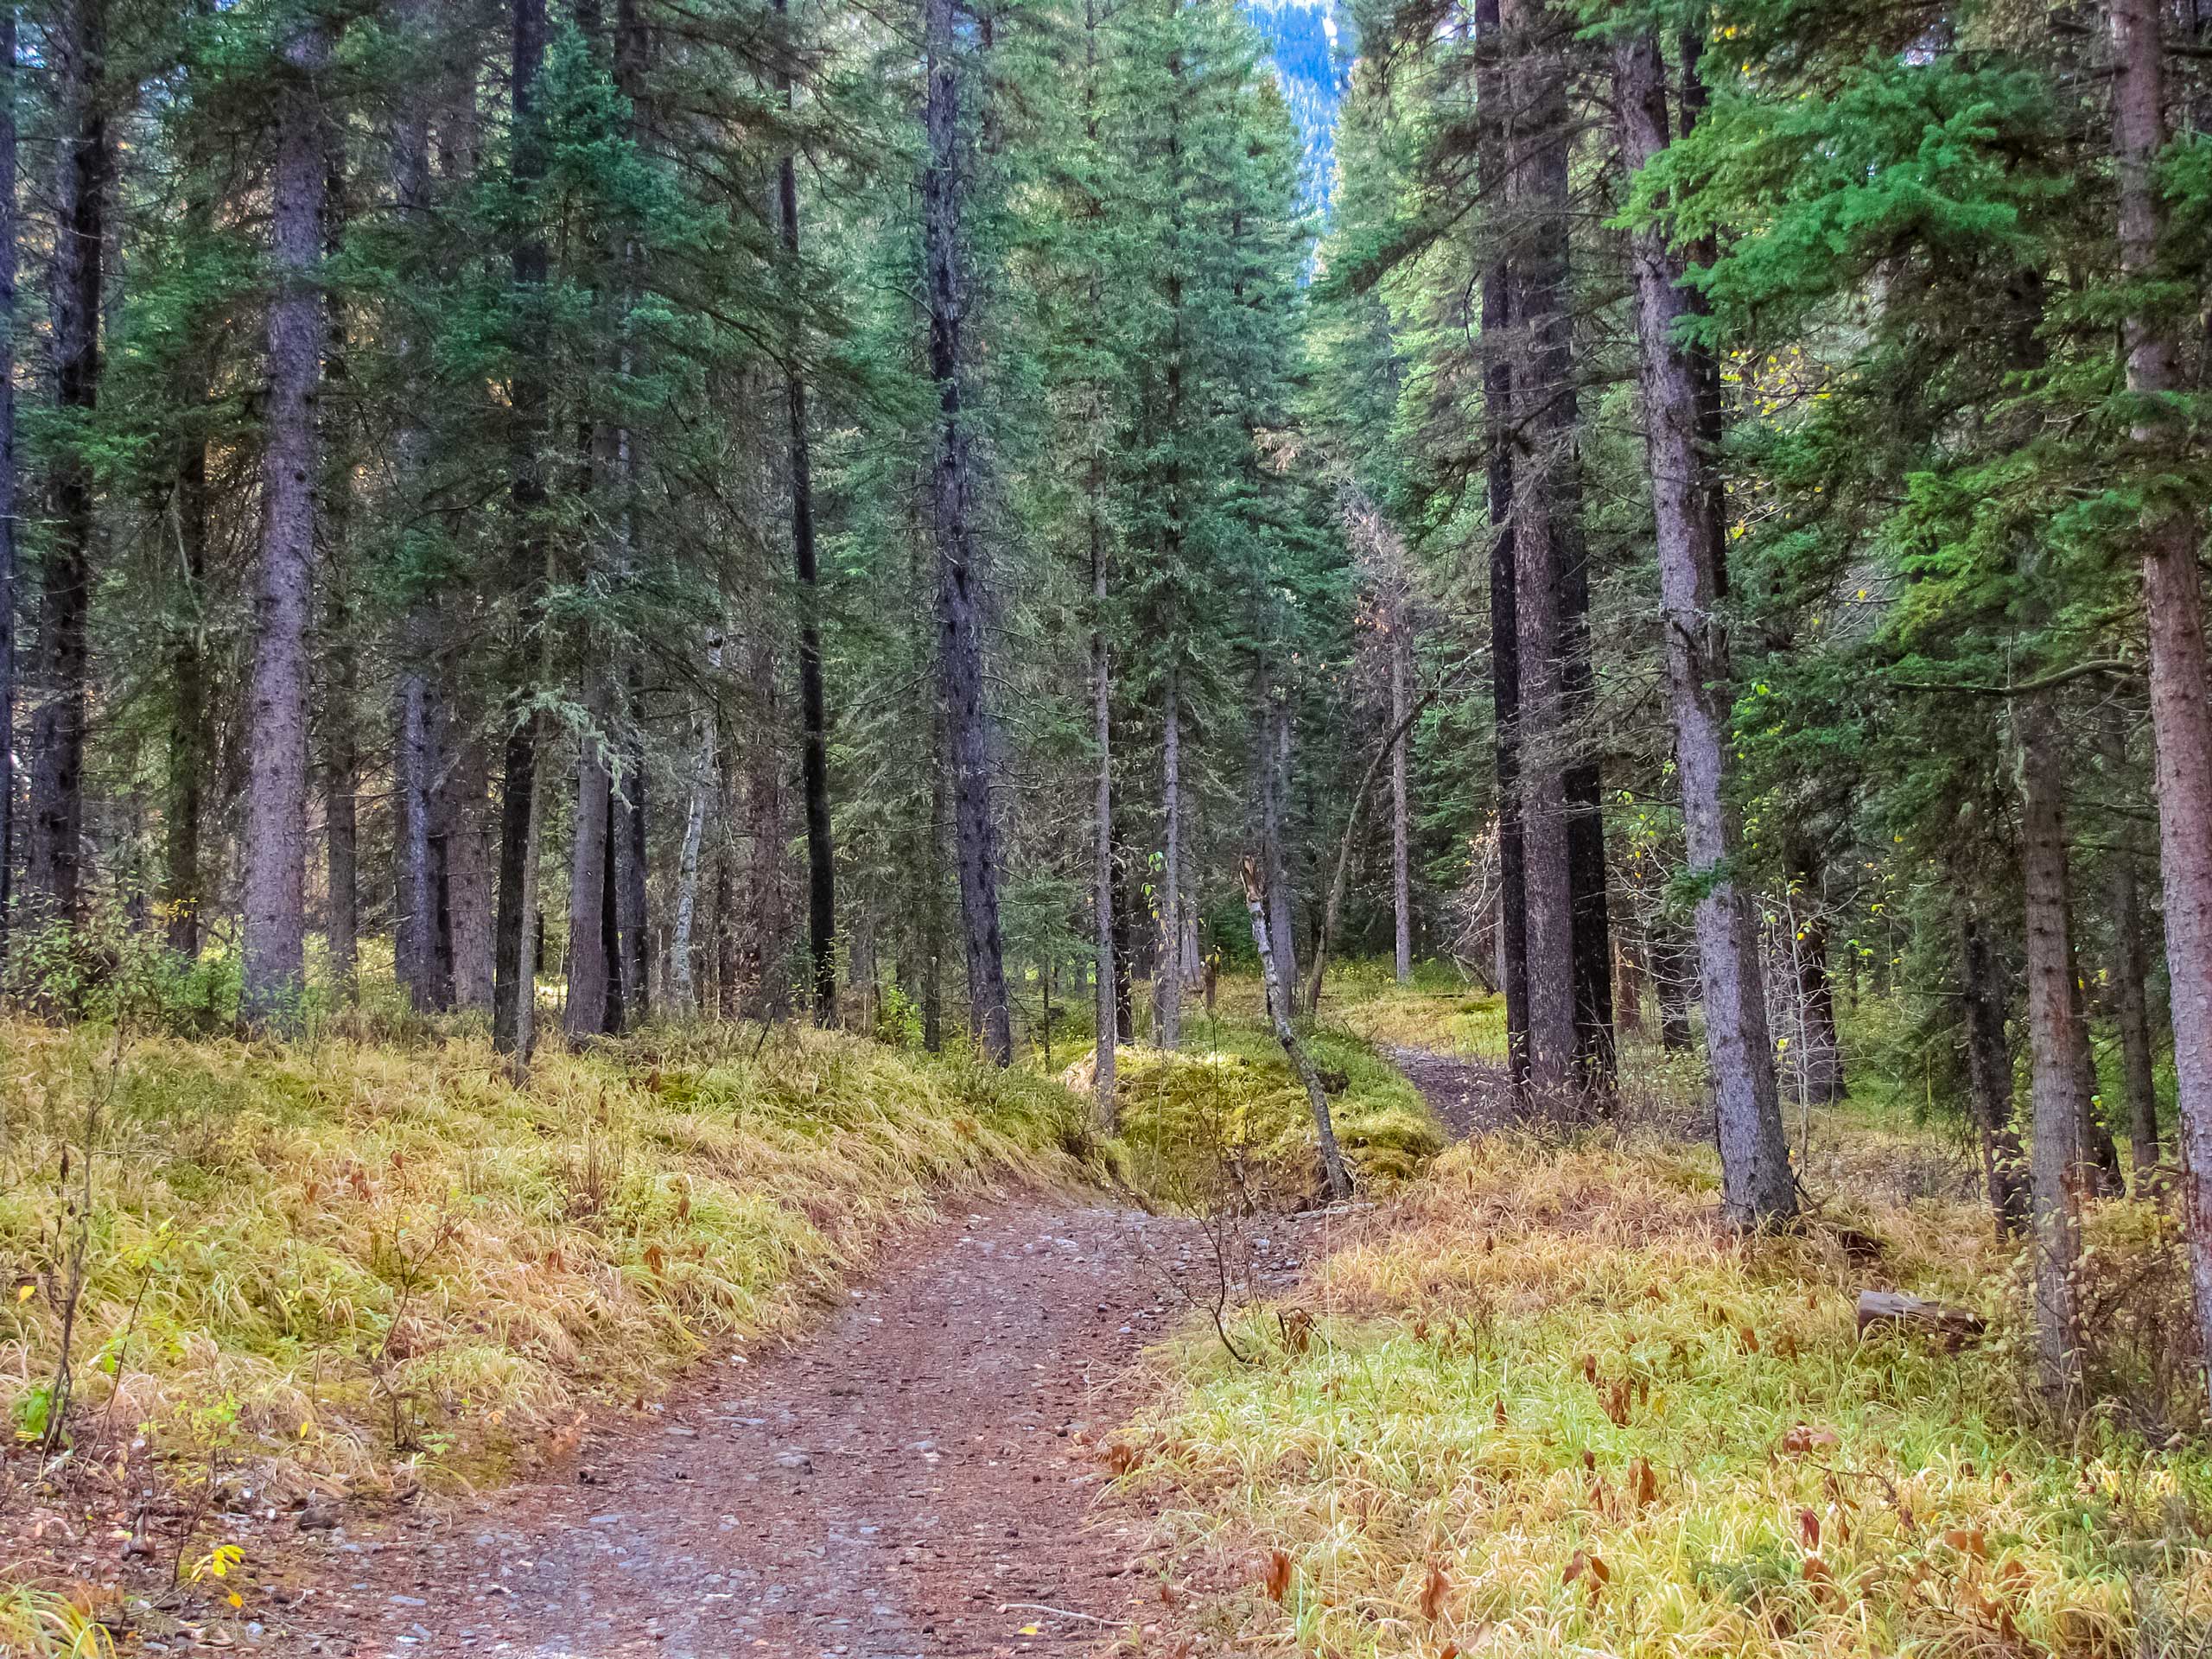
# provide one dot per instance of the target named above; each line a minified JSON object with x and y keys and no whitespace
{"x":1808,"y":1524}
{"x":1278,"y":1580}
{"x":1433,"y":1591}
{"x":1642,"y":1485}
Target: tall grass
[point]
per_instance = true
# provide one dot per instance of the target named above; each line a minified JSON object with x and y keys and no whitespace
{"x":372,"y":1262}
{"x":1548,"y":1409}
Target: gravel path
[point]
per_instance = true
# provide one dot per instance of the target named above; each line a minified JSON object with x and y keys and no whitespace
{"x":916,"y":1478}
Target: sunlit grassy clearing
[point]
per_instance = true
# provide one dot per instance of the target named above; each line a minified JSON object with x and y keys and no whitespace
{"x":1807,"y":1494}
{"x":358,"y":1255}
{"x":1231,"y":1095}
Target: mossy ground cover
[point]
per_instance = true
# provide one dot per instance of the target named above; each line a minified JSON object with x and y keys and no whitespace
{"x":1547,"y":1407}
{"x":1228,"y":1104}
{"x":380,"y":1262}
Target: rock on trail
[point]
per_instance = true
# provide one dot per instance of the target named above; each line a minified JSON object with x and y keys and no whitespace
{"x":881,"y":1487}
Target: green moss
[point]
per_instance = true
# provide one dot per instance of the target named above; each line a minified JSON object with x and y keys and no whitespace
{"x":1229,"y":1112}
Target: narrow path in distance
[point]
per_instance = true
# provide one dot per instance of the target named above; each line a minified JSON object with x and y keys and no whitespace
{"x":1469,"y":1096}
{"x":915,"y":1478}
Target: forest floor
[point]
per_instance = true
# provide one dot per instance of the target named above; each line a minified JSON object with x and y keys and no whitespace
{"x":921,"y":1474}
{"x":917,"y":1476}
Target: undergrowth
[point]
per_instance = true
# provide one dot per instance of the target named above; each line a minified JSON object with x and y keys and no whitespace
{"x":371,"y":1264}
{"x":1544,"y":1407}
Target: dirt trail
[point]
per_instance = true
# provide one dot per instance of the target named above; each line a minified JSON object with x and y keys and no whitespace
{"x":1469,"y":1095}
{"x":884,"y":1487}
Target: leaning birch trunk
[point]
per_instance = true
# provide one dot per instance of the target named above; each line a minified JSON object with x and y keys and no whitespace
{"x":2180,"y":719}
{"x":1278,"y":1009}
{"x":1756,"y":1185}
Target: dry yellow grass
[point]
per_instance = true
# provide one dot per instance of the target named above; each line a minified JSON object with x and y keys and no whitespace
{"x":374,"y":1262}
{"x":1551,"y":1410}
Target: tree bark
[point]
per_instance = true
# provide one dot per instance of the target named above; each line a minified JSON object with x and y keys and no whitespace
{"x":421,"y":953}
{"x":273,"y":942}
{"x":1757,"y":1186}
{"x":8,"y":478}
{"x":1105,"y":1108}
{"x":1278,"y":994}
{"x":767,"y":935}
{"x":2058,"y":1091}
{"x":342,"y":689}
{"x":2131,"y":958}
{"x":961,"y":599}
{"x":632,"y":911}
{"x":1275,"y":811}
{"x":514,"y":990}
{"x":416,"y":921}
{"x":2180,"y":719}
{"x":1401,"y":891}
{"x":1989,"y":1078}
{"x":78,"y":46}
{"x":1494,"y":178}
{"x":813,"y":708}
{"x":683,"y":980}
{"x":468,"y":967}
{"x":1168,"y":968}
{"x":190,"y":741}
{"x":583,"y":1015}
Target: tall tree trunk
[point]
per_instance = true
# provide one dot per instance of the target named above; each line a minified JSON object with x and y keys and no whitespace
{"x":1989,"y":1078}
{"x":1536,"y":143}
{"x":469,"y":965}
{"x":1494,"y":171}
{"x":342,"y":689}
{"x":416,"y":921}
{"x":1169,"y":970}
{"x":1105,"y":1108}
{"x":1756,"y":1188}
{"x":767,"y":935}
{"x":190,"y":737}
{"x":8,"y":482}
{"x":341,"y":767}
{"x":421,"y":956}
{"x":584,"y":1014}
{"x":961,"y":601}
{"x":813,"y":709}
{"x":273,"y":942}
{"x":514,"y":993}
{"x":2057,"y":1089}
{"x":1275,"y":835}
{"x":2181,"y":718}
{"x":2096,"y":1157}
{"x":79,"y":47}
{"x":683,"y":981}
{"x":2130,"y":954}
{"x":1401,"y":887}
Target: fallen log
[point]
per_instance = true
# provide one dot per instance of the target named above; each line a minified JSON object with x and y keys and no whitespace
{"x":1893,"y":1309}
